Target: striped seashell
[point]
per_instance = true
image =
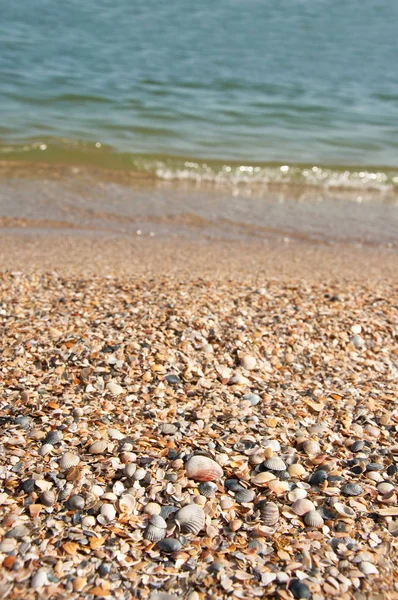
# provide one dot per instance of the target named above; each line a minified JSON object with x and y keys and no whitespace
{"x":302,"y":506}
{"x":274,"y":463}
{"x":269,"y":513}
{"x":344,"y":510}
{"x":311,"y":448}
{"x":48,"y":498}
{"x":156,"y":529}
{"x":207,"y":489}
{"x":313,"y":519}
{"x":245,"y":496}
{"x":46,"y":449}
{"x":98,"y":447}
{"x":191,"y":518}
{"x":68,"y":460}
{"x":202,"y":468}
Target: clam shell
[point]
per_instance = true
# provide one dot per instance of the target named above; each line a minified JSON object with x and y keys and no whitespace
{"x":76,"y":502}
{"x":269,"y":512}
{"x":351,"y":489}
{"x":263,"y":478}
{"x":168,"y":429}
{"x":68,"y":460}
{"x":207,"y":489}
{"x":278,"y":487}
{"x":98,"y":447}
{"x":244,"y":496}
{"x":302,"y":506}
{"x":108,"y":511}
{"x":296,"y":494}
{"x":296,"y":470}
{"x":275,"y":464}
{"x":48,"y":498}
{"x":313,"y":519}
{"x":191,"y":518}
{"x":169,"y":545}
{"x":152,"y":508}
{"x":202,"y":468}
{"x":344,"y":510}
{"x":127,"y":503}
{"x":311,"y":448}
{"x":156,"y":529}
{"x":46,"y":449}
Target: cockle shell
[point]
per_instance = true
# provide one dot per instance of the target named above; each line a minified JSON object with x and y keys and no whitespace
{"x":191,"y":518}
{"x":311,"y":448}
{"x":275,"y":464}
{"x":313,"y":519}
{"x":98,"y":447}
{"x":269,"y":512}
{"x":202,"y":468}
{"x":152,"y":508}
{"x":244,"y":496}
{"x":48,"y":498}
{"x":156,"y":529}
{"x":68,"y":460}
{"x":296,"y":470}
{"x":207,"y":489}
{"x":302,"y":506}
{"x":108,"y":511}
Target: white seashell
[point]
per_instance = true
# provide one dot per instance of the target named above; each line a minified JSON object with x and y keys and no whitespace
{"x":202,"y":468}
{"x":367,"y":568}
{"x":8,"y":545}
{"x":269,"y":512}
{"x":248,"y":362}
{"x":296,"y":470}
{"x":275,"y":464}
{"x":226,"y":502}
{"x":302,"y":506}
{"x":109,"y":496}
{"x":344,"y":510}
{"x":115,"y":434}
{"x":296,"y":494}
{"x":263,"y":478}
{"x":313,"y":519}
{"x":191,"y":518}
{"x":139,"y":474}
{"x":127,"y":503}
{"x":239,"y":379}
{"x":118,"y":488}
{"x":46,"y":449}
{"x":311,"y":448}
{"x":385,"y":488}
{"x":168,"y":429}
{"x":108,"y":511}
{"x":130,"y":469}
{"x":156,"y":529}
{"x":278,"y":487}
{"x":98,"y":447}
{"x":48,"y":498}
{"x":89,"y":521}
{"x":114,"y":388}
{"x":68,"y":460}
{"x":97,"y":490}
{"x":273,"y":444}
{"x":39,"y":579}
{"x":152,"y":508}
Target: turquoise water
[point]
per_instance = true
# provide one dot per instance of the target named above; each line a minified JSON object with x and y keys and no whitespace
{"x":226,"y":90}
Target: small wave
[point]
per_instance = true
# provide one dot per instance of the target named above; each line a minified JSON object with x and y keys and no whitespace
{"x":217,"y":172}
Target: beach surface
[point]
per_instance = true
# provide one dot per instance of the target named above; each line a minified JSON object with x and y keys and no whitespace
{"x":124,"y":354}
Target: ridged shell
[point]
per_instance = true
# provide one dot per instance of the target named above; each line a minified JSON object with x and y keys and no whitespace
{"x":275,"y":464}
{"x":207,"y":489}
{"x":202,"y":468}
{"x":244,"y":496}
{"x":313,"y":519}
{"x":68,"y":460}
{"x":302,"y":506}
{"x":311,"y":448}
{"x":269,"y":512}
{"x":48,"y":498}
{"x":98,"y":447}
{"x":191,"y":518}
{"x":46,"y":449}
{"x":156,"y":529}
{"x":343,"y":510}
{"x":152,"y":508}
{"x":351,"y":489}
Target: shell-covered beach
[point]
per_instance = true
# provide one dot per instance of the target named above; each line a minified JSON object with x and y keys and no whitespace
{"x":267,"y":412}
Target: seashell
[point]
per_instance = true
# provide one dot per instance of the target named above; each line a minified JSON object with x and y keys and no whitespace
{"x":244,"y":496}
{"x":128,"y":457}
{"x":168,"y":429}
{"x":7,"y":546}
{"x":139,"y":474}
{"x":318,"y":477}
{"x":261,"y":479}
{"x":156,"y":529}
{"x":167,"y":510}
{"x":226,"y":502}
{"x":98,"y":447}
{"x":278,"y":487}
{"x":89,"y":521}
{"x":39,"y":579}
{"x":254,"y":399}
{"x":274,"y":464}
{"x":190,"y":518}
{"x":152,"y":508}
{"x":296,"y":470}
{"x":28,"y":485}
{"x":76,"y":502}
{"x":115,"y":434}
{"x":233,"y":485}
{"x":257,"y":458}
{"x":118,"y":488}
{"x":199,"y":499}
{"x":53,"y":437}
{"x":130,"y":469}
{"x":311,"y":448}
{"x":169,"y":545}
{"x":299,"y":589}
{"x":127,"y":504}
{"x":108,"y":511}
{"x":358,"y":445}
{"x":313,"y":519}
{"x":239,"y":379}
{"x":48,"y":498}
{"x":207,"y":489}
{"x":385,"y":488}
{"x":358,"y":341}
{"x":343,"y":510}
{"x":367,"y":568}
{"x":46,"y":449}
{"x":248,"y":362}
{"x":235,"y":524}
{"x":17,"y":532}
{"x":114,"y":388}
{"x":351,"y":489}
{"x":269,"y":513}
{"x":97,"y":490}
{"x":297,"y":494}
{"x":68,"y":460}
{"x":202,"y":468}
{"x":302,"y":506}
